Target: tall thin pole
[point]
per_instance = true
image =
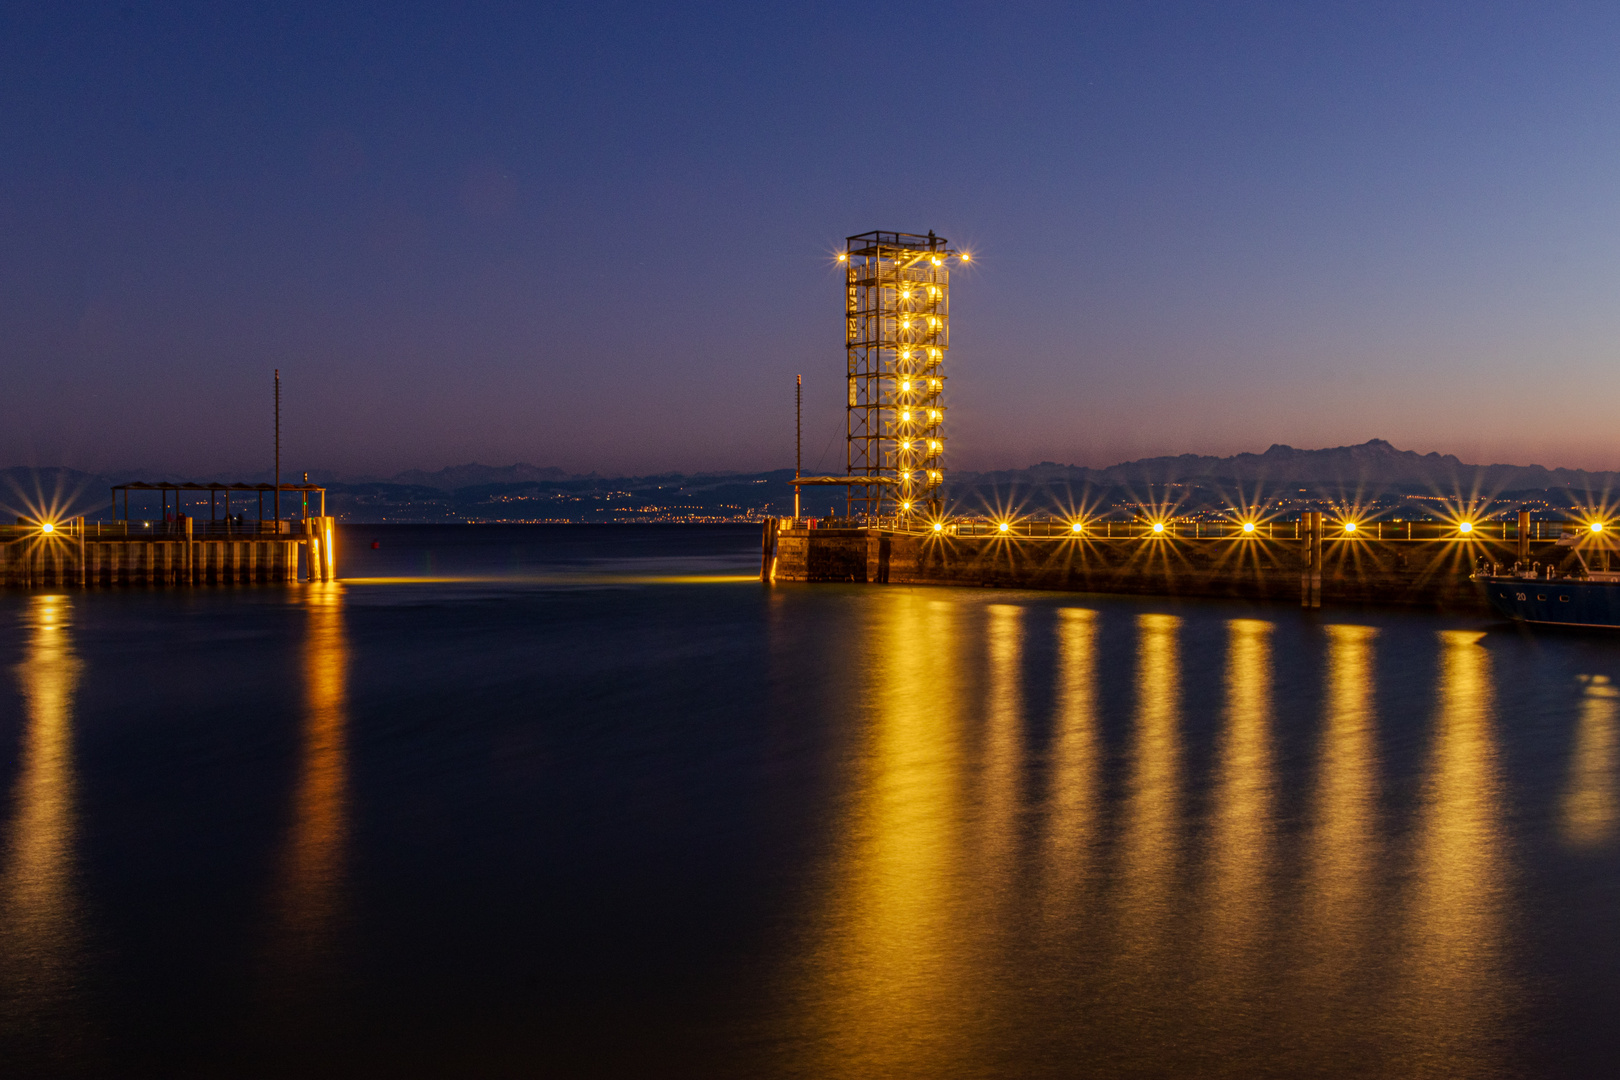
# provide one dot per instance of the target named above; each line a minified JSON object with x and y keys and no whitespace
{"x":278,"y":449}
{"x":798,"y":439}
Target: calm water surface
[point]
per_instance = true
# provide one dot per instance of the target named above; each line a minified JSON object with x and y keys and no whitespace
{"x":574,"y":801}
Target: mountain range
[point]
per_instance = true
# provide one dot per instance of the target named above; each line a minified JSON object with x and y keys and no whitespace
{"x":523,"y":492}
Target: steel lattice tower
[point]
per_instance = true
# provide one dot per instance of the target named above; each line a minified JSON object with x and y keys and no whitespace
{"x":897,"y":331}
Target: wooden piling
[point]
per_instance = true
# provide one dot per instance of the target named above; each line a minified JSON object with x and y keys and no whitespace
{"x":1310,"y":578}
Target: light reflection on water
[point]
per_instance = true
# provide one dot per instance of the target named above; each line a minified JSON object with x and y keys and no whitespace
{"x":1589,"y":799}
{"x":886,"y":978}
{"x":1453,"y":990}
{"x":801,"y":831}
{"x":1072,"y":805}
{"x":1238,"y":909}
{"x":1147,"y":887}
{"x":1310,"y":969}
{"x":309,"y":898}
{"x":1338,"y":906}
{"x":40,"y":910}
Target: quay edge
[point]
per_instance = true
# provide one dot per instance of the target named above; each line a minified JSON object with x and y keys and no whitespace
{"x":1311,"y":570}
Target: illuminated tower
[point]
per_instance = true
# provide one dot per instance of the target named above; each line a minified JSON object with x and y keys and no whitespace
{"x":897,"y":331}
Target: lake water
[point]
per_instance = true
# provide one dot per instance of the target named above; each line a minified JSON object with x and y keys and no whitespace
{"x":577,"y":801}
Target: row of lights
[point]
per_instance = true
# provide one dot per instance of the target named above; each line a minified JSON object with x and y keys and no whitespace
{"x":1249,"y":527}
{"x":843,"y":256}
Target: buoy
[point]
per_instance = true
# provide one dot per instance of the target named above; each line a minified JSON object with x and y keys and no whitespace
{"x":375,"y":544}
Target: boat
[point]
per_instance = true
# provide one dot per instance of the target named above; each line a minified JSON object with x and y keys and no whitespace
{"x":1580,"y":595}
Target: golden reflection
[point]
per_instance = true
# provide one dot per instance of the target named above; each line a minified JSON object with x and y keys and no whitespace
{"x":1240,"y":844}
{"x":1072,"y":808}
{"x":1149,"y":836}
{"x":885,"y":993}
{"x":311,"y":888}
{"x":1589,"y":800}
{"x":1004,"y":741}
{"x":1342,"y":848}
{"x":39,"y":907}
{"x":1452,"y":993}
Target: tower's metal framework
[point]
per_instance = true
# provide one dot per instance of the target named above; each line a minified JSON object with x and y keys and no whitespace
{"x":897,"y":332}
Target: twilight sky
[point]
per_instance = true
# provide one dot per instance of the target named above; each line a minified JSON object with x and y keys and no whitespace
{"x":599,"y":236}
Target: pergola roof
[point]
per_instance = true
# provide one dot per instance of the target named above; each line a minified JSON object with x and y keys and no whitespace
{"x":142,"y":485}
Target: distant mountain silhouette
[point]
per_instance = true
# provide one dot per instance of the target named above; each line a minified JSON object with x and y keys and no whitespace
{"x":528,"y":492}
{"x":474,"y":475}
{"x":1374,"y":463}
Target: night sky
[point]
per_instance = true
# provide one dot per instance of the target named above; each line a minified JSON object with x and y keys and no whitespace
{"x":599,"y":237}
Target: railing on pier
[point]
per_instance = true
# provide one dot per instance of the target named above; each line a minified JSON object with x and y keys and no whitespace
{"x":164,"y":530}
{"x":1145,"y":529}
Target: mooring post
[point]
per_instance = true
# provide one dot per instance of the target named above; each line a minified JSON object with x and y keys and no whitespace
{"x":1316,"y":559}
{"x":1310,"y":578}
{"x":767,"y":548}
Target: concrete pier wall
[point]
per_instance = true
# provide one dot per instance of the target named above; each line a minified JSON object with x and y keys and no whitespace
{"x":76,"y":555}
{"x":1423,"y":573}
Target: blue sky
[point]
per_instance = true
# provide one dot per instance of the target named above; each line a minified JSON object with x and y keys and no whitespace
{"x":599,"y":236}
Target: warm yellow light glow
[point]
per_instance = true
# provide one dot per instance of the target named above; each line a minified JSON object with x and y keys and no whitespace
{"x":933,"y":444}
{"x":1466,"y":527}
{"x":842,"y":257}
{"x":1076,"y":527}
{"x":905,"y":387}
{"x":1597,"y":526}
{"x":1248,"y":526}
{"x":47,"y":527}
{"x":1158,"y":526}
{"x":1349,"y":526}
{"x":965,"y":257}
{"x":905,"y":324}
{"x":1004,"y":527}
{"x":905,"y":506}
{"x":936,"y":262}
{"x":905,"y":294}
{"x":905,"y":417}
{"x":939,"y":526}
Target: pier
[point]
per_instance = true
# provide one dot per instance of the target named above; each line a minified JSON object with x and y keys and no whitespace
{"x":1311,"y":561}
{"x":177,"y":548}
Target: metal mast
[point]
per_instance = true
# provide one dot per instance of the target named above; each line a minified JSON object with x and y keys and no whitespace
{"x":798,"y":438}
{"x":278,"y":449}
{"x":897,"y":331}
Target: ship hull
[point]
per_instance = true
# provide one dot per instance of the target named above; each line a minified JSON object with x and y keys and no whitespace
{"x":1568,"y":602}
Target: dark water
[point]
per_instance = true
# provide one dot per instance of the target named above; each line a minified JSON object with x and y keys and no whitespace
{"x":578,"y":802}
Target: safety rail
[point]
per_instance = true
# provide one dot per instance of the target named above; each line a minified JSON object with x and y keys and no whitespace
{"x":1147,"y":529}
